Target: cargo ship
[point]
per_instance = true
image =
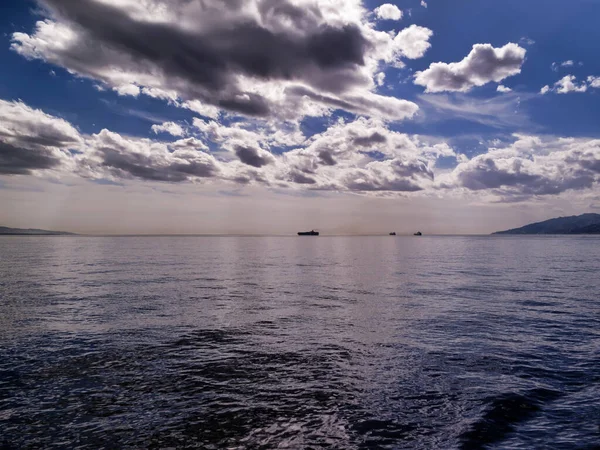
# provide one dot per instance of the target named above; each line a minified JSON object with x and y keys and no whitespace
{"x":308,"y":233}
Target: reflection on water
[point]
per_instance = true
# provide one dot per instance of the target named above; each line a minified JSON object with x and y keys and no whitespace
{"x":370,"y":342}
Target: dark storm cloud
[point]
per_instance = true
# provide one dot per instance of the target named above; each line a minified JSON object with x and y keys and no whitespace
{"x":21,"y":161}
{"x":205,"y":64}
{"x":253,"y":156}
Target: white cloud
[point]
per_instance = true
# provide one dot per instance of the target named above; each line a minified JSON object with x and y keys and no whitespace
{"x":171,"y":128}
{"x":566,"y":85}
{"x":594,"y":82}
{"x":413,"y":42}
{"x":423,"y":3}
{"x":388,"y":11}
{"x":128,"y":90}
{"x":503,"y":89}
{"x":565,"y":64}
{"x":484,"y":64}
{"x":526,"y":41}
{"x":202,"y":109}
{"x":501,"y":111}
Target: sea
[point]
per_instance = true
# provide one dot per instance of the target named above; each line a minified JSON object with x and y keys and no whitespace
{"x":382,"y":342}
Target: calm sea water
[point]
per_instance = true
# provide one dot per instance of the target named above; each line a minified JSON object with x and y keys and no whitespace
{"x":358,"y":342}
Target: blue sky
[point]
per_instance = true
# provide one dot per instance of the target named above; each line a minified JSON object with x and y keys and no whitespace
{"x":476,"y":102}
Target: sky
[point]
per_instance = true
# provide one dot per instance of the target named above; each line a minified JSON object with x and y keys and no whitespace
{"x":274,"y":116}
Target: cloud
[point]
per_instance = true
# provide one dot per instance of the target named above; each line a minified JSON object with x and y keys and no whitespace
{"x":569,"y":84}
{"x":363,"y":156}
{"x":525,"y":41}
{"x":33,"y":140}
{"x":501,"y":111}
{"x":247,"y":58}
{"x":532,"y":166}
{"x":110,"y":154}
{"x":128,"y":90}
{"x":413,"y":42}
{"x":503,"y":89}
{"x":565,"y":64}
{"x":387,"y":11}
{"x":423,"y":3}
{"x":594,"y":82}
{"x":483,"y":65}
{"x":169,"y":127}
{"x":253,"y":156}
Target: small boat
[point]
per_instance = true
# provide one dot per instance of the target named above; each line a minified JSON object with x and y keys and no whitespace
{"x":393,"y":233}
{"x":308,"y":233}
{"x":418,"y":233}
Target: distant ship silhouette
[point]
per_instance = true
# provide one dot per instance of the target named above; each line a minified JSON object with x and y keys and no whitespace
{"x":418,"y":233}
{"x":308,"y":233}
{"x":393,"y":233}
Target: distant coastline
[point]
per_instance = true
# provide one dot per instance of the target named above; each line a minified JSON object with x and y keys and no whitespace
{"x":7,"y":231}
{"x":583,"y":224}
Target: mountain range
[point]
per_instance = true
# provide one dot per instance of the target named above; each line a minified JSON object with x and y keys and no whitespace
{"x":583,"y":224}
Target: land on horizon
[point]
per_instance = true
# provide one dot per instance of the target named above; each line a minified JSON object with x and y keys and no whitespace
{"x":583,"y":224}
{"x":32,"y":232}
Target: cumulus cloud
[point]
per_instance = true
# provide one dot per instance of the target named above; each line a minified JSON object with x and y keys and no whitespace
{"x":423,"y":3}
{"x":32,"y":140}
{"x":247,"y":58}
{"x":171,"y":128}
{"x":363,"y":156}
{"x":569,"y":84}
{"x":593,"y":82}
{"x":110,"y":154}
{"x":532,"y":166}
{"x":503,"y":89}
{"x":413,"y":42}
{"x":387,"y":11}
{"x":484,"y":64}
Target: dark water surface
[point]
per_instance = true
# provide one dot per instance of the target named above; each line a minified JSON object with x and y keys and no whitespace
{"x":362,"y":342}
